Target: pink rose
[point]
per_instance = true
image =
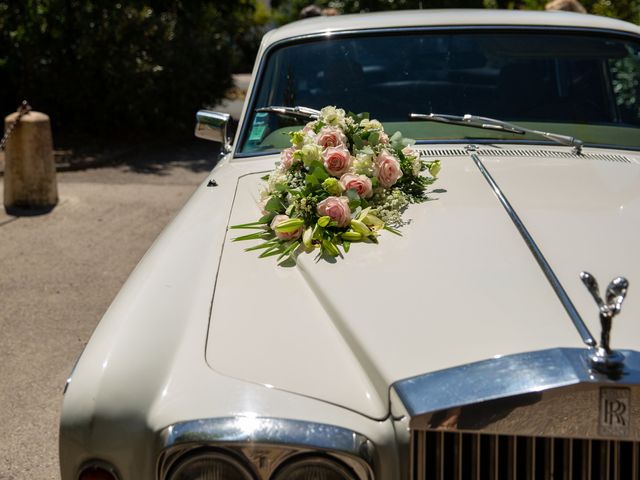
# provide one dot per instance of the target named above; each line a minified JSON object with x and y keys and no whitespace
{"x":383,"y":138}
{"x":409,"y":152}
{"x":360,"y":183}
{"x":286,"y":158}
{"x":336,"y":160}
{"x":336,"y":208}
{"x":309,"y":129}
{"x":278,"y":219}
{"x":331,"y":137}
{"x":387,"y":169}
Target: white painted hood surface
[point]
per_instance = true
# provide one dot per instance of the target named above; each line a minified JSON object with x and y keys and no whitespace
{"x":459,"y":286}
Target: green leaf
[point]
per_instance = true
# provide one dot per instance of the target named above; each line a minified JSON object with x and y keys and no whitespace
{"x":396,"y":141}
{"x":268,"y":244}
{"x":354,"y":199}
{"x":320,"y":173}
{"x":392,"y":230}
{"x":259,"y":224}
{"x":311,"y":180}
{"x":274,"y":205}
{"x":358,"y":142}
{"x":316,"y":165}
{"x":275,"y":250}
{"x":253,"y":236}
{"x":330,"y":248}
{"x":346,"y":245}
{"x":288,"y":250}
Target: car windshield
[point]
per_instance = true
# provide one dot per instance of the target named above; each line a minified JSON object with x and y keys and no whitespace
{"x":582,"y":84}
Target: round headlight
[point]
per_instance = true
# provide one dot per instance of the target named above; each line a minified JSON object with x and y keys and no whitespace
{"x":210,"y":466}
{"x":314,"y":468}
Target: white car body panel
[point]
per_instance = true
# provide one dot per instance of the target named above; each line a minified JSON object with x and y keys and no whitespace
{"x":466,"y":243}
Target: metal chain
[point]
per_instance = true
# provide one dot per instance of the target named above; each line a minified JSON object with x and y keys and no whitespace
{"x":23,"y":109}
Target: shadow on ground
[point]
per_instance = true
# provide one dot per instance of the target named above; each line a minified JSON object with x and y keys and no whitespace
{"x":196,"y":156}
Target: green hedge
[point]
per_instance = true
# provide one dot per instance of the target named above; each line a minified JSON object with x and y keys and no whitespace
{"x":122,"y":65}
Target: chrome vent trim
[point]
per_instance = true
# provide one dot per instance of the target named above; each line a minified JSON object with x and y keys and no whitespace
{"x":523,"y":152}
{"x":532,"y":152}
{"x":438,"y":455}
{"x":442,"y":152}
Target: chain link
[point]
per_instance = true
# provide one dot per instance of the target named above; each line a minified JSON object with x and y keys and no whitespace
{"x":23,"y":109}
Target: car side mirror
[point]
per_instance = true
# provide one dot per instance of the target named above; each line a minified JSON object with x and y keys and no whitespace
{"x":213,"y":126}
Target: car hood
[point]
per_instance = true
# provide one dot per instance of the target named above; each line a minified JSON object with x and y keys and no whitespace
{"x":460,"y":285}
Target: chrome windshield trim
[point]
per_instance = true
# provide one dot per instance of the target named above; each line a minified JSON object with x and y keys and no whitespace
{"x":584,"y":332}
{"x":507,"y":376}
{"x":243,"y":130}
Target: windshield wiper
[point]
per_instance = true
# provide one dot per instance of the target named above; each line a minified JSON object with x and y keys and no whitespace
{"x":468,"y":120}
{"x":304,"y":112}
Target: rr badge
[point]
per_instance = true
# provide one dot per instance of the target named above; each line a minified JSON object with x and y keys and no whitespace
{"x":615,"y":412}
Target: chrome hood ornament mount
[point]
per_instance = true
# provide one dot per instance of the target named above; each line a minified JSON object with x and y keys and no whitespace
{"x":603,"y":359}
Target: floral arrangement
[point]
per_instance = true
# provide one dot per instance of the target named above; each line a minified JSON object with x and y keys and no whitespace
{"x":343,"y":180}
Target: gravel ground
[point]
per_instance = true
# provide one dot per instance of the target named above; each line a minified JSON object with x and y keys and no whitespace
{"x":58,"y":274}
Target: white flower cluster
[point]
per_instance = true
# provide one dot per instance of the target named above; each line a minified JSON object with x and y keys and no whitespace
{"x":363,"y":164}
{"x":277,"y":177}
{"x":336,"y":117}
{"x":391,"y":204}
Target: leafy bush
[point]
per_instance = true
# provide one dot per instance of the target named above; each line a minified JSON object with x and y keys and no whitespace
{"x":102,"y":65}
{"x":289,"y":10}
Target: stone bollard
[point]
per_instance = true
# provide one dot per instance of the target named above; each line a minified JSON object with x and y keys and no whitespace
{"x":29,"y":171}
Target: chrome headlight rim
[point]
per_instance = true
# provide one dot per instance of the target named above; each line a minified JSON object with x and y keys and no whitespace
{"x":284,"y":470}
{"x":265,"y":443}
{"x":198,"y":454}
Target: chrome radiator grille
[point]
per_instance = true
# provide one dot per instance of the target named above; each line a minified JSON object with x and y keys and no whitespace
{"x":437,"y":455}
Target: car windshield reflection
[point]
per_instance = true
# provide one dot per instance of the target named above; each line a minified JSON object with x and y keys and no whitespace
{"x":579,"y":84}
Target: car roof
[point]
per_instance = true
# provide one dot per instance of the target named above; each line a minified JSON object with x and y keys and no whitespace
{"x":452,"y":17}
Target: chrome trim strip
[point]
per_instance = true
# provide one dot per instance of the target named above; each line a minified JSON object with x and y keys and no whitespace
{"x":244,"y":129}
{"x":245,"y":429}
{"x":584,"y":332}
{"x":506,"y":376}
{"x":274,"y":434}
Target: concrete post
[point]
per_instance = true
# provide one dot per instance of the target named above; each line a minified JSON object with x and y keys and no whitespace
{"x":29,"y":170}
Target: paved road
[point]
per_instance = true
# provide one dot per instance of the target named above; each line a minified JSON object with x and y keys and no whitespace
{"x":58,"y":274}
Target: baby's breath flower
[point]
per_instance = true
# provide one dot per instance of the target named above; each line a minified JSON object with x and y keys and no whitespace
{"x":277,"y":177}
{"x":389,"y":206}
{"x":304,"y":206}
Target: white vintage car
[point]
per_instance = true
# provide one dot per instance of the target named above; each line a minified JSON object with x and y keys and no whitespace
{"x":472,"y":347}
